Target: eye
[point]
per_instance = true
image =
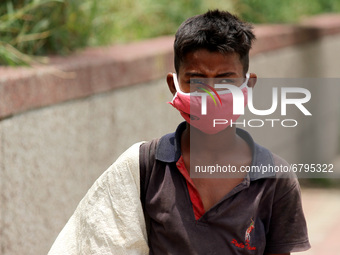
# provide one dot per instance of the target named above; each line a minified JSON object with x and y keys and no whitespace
{"x":195,"y":82}
{"x":227,"y":81}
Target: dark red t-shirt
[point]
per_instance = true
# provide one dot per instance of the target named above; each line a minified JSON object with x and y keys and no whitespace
{"x":261,"y":214}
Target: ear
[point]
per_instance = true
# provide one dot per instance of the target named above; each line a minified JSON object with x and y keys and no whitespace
{"x":252,"y":80}
{"x":171,"y":84}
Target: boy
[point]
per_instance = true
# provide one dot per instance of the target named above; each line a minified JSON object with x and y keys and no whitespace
{"x":242,"y":213}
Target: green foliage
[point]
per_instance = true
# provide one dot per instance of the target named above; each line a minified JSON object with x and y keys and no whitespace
{"x":129,"y":20}
{"x":20,"y":30}
{"x":285,"y":11}
{"x":32,"y":28}
{"x":42,"y":27}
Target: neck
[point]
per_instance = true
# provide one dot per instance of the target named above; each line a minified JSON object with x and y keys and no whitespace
{"x":216,"y":143}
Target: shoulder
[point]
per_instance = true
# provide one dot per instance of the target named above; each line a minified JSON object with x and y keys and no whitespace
{"x":277,"y":172}
{"x":284,"y":169}
{"x":287,"y":184}
{"x":279,"y":161}
{"x":125,"y":171}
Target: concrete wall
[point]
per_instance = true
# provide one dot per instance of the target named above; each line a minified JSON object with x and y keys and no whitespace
{"x":54,"y":147}
{"x":51,"y":156}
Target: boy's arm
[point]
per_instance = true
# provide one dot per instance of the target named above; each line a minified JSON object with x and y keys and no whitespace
{"x":287,"y":230}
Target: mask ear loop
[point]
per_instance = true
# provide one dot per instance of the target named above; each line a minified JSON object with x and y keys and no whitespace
{"x":245,"y":84}
{"x":174,"y":76}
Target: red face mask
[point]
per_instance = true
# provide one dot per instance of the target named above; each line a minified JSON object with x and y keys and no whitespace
{"x":202,"y":109}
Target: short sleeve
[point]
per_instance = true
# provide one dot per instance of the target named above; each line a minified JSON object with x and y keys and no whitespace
{"x":288,"y":228}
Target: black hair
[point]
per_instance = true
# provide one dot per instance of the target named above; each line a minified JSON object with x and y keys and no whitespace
{"x":216,"y":31}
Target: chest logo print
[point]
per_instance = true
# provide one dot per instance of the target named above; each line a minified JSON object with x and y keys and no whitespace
{"x":246,"y":245}
{"x":248,"y":231}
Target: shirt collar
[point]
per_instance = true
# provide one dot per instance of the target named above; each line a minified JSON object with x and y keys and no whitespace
{"x":169,"y":150}
{"x":169,"y":146}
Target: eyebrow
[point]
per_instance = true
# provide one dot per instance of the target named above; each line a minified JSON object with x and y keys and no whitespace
{"x":195,"y":74}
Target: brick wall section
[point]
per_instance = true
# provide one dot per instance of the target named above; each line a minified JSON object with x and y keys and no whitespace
{"x":97,"y":70}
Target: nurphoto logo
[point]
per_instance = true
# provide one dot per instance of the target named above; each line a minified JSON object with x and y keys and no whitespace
{"x":280,"y":98}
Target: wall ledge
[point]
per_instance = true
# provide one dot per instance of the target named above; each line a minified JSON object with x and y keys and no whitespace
{"x":96,"y":70}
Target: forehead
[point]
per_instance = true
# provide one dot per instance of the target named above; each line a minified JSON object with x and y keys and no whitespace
{"x":211,"y":63}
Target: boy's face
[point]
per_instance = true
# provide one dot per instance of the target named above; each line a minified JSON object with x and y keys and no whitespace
{"x":205,"y":64}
